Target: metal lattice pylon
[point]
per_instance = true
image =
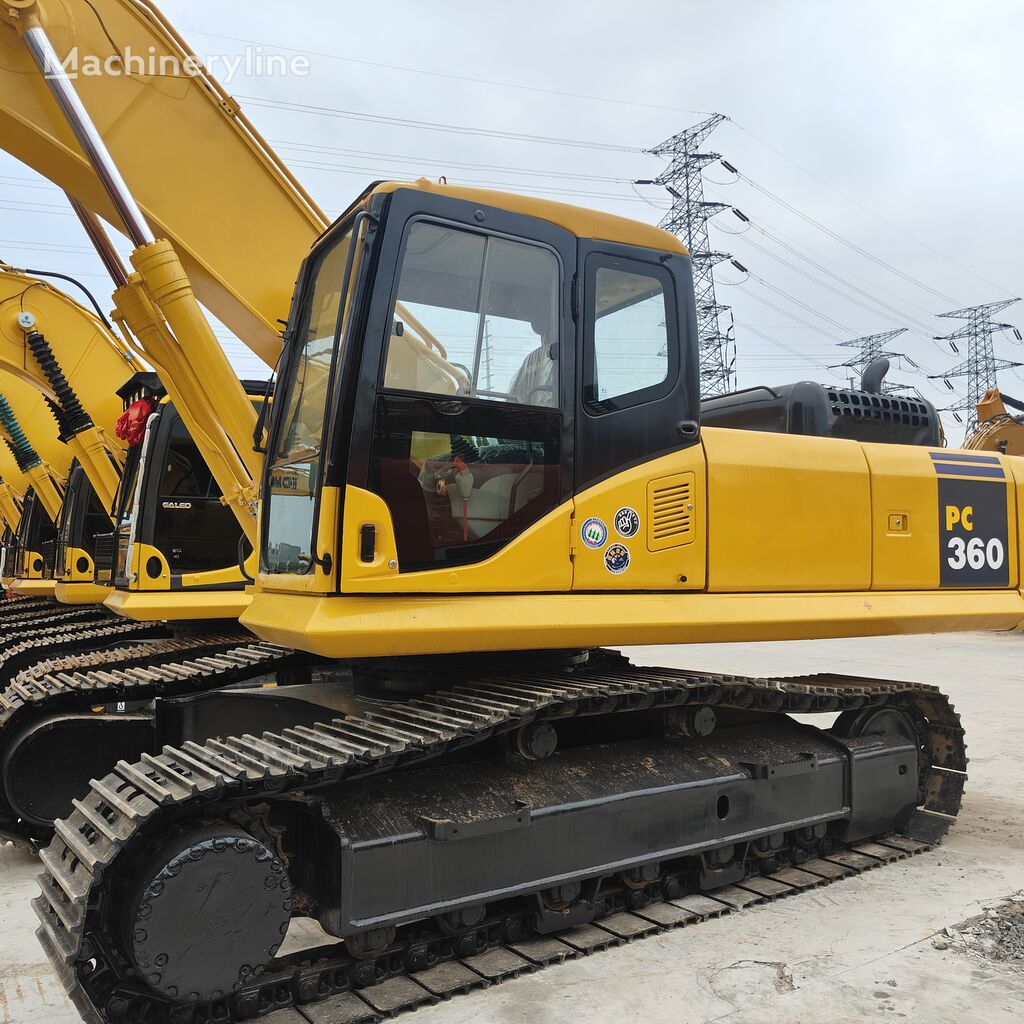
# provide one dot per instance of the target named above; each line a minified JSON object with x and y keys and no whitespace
{"x":981,"y":365}
{"x":869,"y":348}
{"x":688,"y":219}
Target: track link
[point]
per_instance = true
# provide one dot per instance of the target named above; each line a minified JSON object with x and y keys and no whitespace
{"x":130,"y":805}
{"x":9,"y":599}
{"x":140,"y":672}
{"x":23,"y":625}
{"x":18,"y":655}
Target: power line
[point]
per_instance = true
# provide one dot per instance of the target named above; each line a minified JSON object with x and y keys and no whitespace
{"x":803,"y":305}
{"x":836,"y":236}
{"x":434,"y":126}
{"x":800,"y":249}
{"x":804,"y":357}
{"x":785,"y":312}
{"x":865,"y":209}
{"x":875,"y":302}
{"x":481,"y":182}
{"x":875,"y":309}
{"x":455,"y":78}
{"x":445,"y":162}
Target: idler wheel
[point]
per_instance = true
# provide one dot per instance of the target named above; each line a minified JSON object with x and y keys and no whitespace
{"x":875,"y":721}
{"x":206,"y":912}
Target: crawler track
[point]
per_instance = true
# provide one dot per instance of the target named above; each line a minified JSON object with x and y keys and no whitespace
{"x":20,"y":625}
{"x":134,"y":672}
{"x":19,"y":653}
{"x":127,"y":809}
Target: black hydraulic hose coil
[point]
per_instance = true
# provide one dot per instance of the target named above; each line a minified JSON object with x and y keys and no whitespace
{"x":71,"y":417}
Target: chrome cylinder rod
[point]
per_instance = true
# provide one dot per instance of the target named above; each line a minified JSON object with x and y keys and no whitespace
{"x":101,"y":242}
{"x":89,"y":138}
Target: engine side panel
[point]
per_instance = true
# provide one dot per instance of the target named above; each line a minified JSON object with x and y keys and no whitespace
{"x":786,"y":513}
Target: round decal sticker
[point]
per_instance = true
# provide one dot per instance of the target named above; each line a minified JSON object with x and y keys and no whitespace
{"x":627,"y":522}
{"x":616,"y":559}
{"x":594,"y":532}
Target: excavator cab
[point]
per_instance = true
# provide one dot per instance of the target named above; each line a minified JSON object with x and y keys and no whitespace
{"x":173,"y":532}
{"x":35,"y":541}
{"x":451,"y":398}
{"x":82,"y":518}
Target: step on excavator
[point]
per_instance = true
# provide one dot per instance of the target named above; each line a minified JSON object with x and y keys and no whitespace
{"x":486,"y":462}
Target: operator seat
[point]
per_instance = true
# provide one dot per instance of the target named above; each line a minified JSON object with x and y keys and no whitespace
{"x":534,"y":382}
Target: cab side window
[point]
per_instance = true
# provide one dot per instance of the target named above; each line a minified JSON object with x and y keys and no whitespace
{"x":629,"y":358}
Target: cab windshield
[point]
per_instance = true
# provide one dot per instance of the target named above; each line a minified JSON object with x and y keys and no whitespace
{"x":290,"y":493}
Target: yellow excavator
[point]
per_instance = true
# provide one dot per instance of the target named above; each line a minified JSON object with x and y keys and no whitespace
{"x":486,"y":458}
{"x":63,"y":361}
{"x":59,"y":365}
{"x":998,"y":429}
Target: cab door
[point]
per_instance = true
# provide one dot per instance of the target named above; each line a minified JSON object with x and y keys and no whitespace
{"x":640,"y":480}
{"x":460,"y":473}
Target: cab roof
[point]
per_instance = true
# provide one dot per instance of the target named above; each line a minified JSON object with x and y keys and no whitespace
{"x":583,"y":223}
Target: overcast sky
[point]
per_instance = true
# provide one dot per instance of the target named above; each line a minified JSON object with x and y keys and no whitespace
{"x":894,"y":126}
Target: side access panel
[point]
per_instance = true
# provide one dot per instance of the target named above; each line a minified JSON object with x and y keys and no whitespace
{"x":942,"y":519}
{"x":786,"y":513}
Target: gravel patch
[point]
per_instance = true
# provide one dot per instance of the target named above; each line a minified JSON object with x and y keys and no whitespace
{"x":996,"y":935}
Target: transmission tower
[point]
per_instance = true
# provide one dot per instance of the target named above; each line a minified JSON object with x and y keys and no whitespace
{"x":688,"y":219}
{"x":981,"y":364}
{"x":869,"y":348}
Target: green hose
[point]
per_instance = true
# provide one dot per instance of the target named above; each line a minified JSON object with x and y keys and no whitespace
{"x":24,"y":454}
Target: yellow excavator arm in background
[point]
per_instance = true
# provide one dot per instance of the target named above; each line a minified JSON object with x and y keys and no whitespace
{"x":216,"y":217}
{"x":28,"y":427}
{"x":12,"y":490}
{"x":68,"y":355}
{"x":997,"y":430}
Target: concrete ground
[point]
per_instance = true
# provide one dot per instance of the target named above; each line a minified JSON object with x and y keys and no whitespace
{"x":861,"y":950}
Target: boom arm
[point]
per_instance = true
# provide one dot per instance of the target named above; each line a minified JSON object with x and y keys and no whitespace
{"x":12,"y":490}
{"x":201,"y":174}
{"x":70,"y":357}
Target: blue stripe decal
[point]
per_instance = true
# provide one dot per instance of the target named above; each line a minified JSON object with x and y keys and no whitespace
{"x":954,"y":457}
{"x":978,"y":472}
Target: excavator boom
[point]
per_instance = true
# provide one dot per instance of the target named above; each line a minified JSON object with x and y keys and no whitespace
{"x":96,"y":136}
{"x":200,"y":173}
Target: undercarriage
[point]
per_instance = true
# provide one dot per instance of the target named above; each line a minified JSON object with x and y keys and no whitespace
{"x":108,"y":693}
{"x":455,"y":837}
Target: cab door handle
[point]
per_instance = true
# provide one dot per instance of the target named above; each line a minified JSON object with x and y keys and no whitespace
{"x":367,"y":542}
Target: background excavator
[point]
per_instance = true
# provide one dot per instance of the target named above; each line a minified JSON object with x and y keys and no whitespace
{"x":68,"y":359}
{"x":61,"y":365}
{"x":998,"y":430}
{"x":463,"y":543}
